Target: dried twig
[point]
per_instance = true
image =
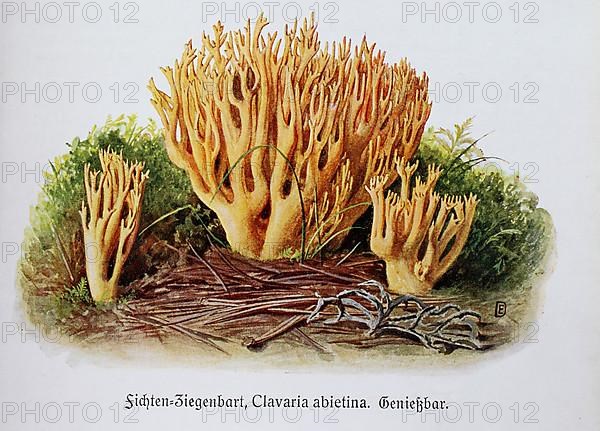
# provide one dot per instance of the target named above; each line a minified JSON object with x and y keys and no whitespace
{"x":444,"y":328}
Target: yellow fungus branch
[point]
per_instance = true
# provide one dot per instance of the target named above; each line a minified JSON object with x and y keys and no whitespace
{"x":110,"y":216}
{"x":418,"y":233}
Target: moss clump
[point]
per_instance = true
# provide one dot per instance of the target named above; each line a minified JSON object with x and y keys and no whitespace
{"x":71,"y":301}
{"x":79,"y":294}
{"x":506,"y":246}
{"x":167,"y":188}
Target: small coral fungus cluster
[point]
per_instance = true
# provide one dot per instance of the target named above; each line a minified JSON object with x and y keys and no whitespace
{"x":111,"y":220}
{"x":285,"y":139}
{"x":418,"y":233}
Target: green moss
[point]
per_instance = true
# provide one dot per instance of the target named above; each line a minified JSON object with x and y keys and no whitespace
{"x":73,"y":299}
{"x":79,"y":294}
{"x":167,"y":188}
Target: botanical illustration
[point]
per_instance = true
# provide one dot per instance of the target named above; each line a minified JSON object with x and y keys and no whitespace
{"x":291,"y":200}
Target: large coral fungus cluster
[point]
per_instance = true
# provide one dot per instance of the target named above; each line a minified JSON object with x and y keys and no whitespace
{"x":418,"y":233}
{"x":280,"y":135}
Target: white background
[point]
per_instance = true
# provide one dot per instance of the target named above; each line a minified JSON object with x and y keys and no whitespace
{"x":559,"y":134}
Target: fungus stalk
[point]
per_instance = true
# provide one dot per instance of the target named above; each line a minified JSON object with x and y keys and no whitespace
{"x":280,"y":134}
{"x":417,"y":232}
{"x":110,"y":221}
